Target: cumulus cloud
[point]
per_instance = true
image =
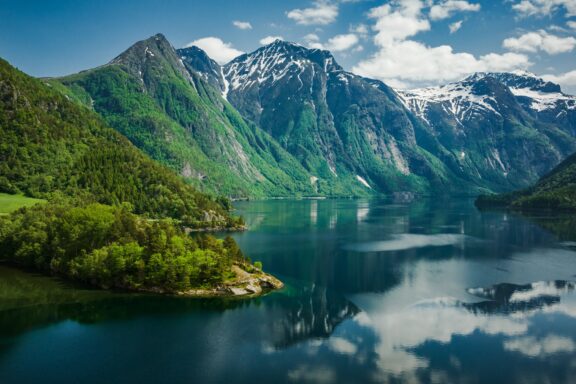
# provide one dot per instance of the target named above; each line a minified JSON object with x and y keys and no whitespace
{"x":403,"y":62}
{"x":455,"y":26}
{"x":270,"y":39}
{"x":398,"y":23}
{"x":321,"y":13}
{"x":540,"y":41}
{"x":544,"y":7}
{"x":312,"y":40}
{"x":341,"y":43}
{"x":338,"y":43}
{"x":571,"y":24}
{"x":242,"y":24}
{"x":447,"y":8}
{"x":360,"y":29}
{"x":217,"y":49}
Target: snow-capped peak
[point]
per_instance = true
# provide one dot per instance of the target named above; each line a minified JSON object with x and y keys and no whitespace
{"x":468,"y":97}
{"x":276,"y":61}
{"x":457,"y":99}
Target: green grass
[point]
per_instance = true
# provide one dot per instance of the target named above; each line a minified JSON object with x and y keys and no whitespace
{"x":9,"y":203}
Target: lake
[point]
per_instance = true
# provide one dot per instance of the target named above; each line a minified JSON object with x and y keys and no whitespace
{"x":430,"y":291}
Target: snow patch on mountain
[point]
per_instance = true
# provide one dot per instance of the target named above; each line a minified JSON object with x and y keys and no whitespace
{"x":456,"y":99}
{"x":274,"y":62}
{"x":541,"y":101}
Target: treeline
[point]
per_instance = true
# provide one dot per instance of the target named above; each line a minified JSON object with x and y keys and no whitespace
{"x":554,"y":191}
{"x":50,"y":144}
{"x":110,"y":247}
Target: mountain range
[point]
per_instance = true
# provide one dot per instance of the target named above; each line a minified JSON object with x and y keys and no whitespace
{"x":287,"y":121}
{"x":488,"y":132}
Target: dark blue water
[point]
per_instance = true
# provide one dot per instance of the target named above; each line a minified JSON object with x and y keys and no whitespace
{"x":421,"y":292}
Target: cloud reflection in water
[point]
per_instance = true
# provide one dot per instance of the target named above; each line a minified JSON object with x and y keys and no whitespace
{"x":408,"y":241}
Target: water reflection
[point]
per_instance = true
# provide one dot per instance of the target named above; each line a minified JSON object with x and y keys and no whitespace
{"x":377,"y":291}
{"x":513,"y":298}
{"x":314,"y":313}
{"x":410,"y":340}
{"x":408,"y":241}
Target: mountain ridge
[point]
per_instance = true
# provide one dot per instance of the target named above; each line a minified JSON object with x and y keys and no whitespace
{"x":149,"y":95}
{"x":294,"y":122}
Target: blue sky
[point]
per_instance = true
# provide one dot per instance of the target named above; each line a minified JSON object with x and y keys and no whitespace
{"x":406,"y":43}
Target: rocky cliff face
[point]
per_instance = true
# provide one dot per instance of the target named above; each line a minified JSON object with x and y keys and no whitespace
{"x":351,"y":133}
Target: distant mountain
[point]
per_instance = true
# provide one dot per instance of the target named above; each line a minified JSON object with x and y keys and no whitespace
{"x":556,"y":191}
{"x":50,"y":145}
{"x":152,"y":96}
{"x":543,"y":99}
{"x":351,"y":133}
{"x":506,"y":129}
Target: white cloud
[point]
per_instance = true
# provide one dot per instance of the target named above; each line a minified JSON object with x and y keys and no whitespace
{"x":403,"y":62}
{"x":540,"y":41}
{"x":544,"y":7}
{"x":566,"y":80}
{"x":341,"y":43}
{"x":312,"y":40}
{"x":338,"y":43}
{"x":571,"y":24}
{"x":217,"y":49}
{"x":242,"y":24}
{"x":360,"y":29}
{"x":270,"y":39}
{"x":447,"y":8}
{"x":455,"y":26}
{"x":397,"y":24}
{"x":322,"y":13}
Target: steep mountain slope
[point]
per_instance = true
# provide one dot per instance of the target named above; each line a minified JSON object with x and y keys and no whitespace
{"x":48,"y":144}
{"x":556,"y":190}
{"x":351,"y":133}
{"x":150,"y":95}
{"x":506,"y":129}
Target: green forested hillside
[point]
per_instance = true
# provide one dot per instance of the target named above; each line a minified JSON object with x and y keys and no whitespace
{"x":556,"y":190}
{"x":49,"y":144}
{"x":177,"y":118}
{"x":112,"y":248}
{"x":113,"y":217}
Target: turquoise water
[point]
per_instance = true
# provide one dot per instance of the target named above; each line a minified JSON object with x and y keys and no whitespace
{"x":421,"y":292}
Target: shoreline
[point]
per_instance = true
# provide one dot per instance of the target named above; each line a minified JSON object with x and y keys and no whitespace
{"x":248,"y":285}
{"x":243,"y":285}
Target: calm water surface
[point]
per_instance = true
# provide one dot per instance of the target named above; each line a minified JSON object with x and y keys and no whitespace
{"x":421,"y":292}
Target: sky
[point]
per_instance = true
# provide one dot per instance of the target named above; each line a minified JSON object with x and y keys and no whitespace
{"x":405,"y":43}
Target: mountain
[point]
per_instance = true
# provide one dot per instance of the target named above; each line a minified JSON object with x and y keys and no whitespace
{"x":351,"y":133}
{"x":150,"y":94}
{"x":555,"y":191}
{"x":543,"y":99}
{"x":50,"y":144}
{"x":506,"y":129}
{"x":285,"y":120}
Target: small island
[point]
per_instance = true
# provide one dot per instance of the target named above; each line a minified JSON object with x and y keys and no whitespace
{"x":112,"y":248}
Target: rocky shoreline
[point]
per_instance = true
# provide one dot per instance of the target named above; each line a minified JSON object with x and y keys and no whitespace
{"x":245,"y":284}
